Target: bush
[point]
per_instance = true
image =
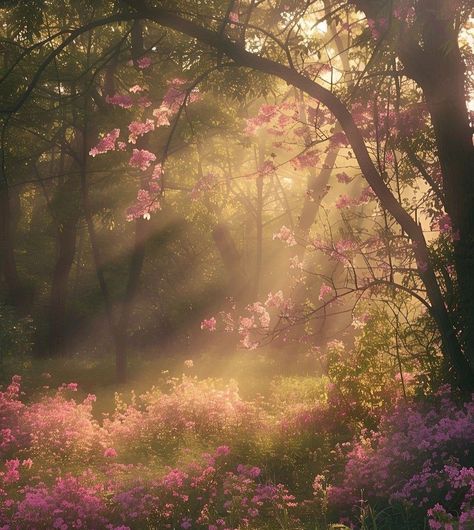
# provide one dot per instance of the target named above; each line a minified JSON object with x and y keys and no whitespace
{"x":418,"y":461}
{"x":62,"y":468}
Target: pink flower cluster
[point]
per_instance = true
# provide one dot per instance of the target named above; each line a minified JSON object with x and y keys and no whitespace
{"x":107,"y":143}
{"x":286,"y":235}
{"x":120,"y":100}
{"x":141,"y":158}
{"x":139,"y":128}
{"x":215,"y":491}
{"x":421,"y":457}
{"x":192,"y":408}
{"x":209,"y":324}
{"x":145,"y":204}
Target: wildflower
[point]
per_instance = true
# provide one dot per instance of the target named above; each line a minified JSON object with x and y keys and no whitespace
{"x":209,"y":324}
{"x":144,"y":62}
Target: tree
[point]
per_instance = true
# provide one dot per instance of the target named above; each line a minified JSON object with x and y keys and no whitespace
{"x":454,"y":143}
{"x":269,"y":38}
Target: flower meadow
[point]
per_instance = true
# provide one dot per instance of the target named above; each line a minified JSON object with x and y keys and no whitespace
{"x":196,"y":455}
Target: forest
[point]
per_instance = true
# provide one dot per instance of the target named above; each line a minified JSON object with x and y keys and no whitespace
{"x":237,"y":264}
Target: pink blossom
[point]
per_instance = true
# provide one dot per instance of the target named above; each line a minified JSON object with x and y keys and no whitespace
{"x":377,"y":27}
{"x":120,"y":100}
{"x":144,"y":102}
{"x":162,"y":116}
{"x":343,"y":251}
{"x":339,"y":139}
{"x":286,"y":235}
{"x":11,"y":474}
{"x":324,"y":291}
{"x":246,"y":323}
{"x":138,"y":128}
{"x":445,"y":224}
{"x":223,"y":450}
{"x":343,"y":178}
{"x":27,"y":463}
{"x":366,"y":196}
{"x":209,"y":324}
{"x":142,"y":159}
{"x":107,"y":143}
{"x":261,"y":313}
{"x":177,"y":95}
{"x":305,"y":160}
{"x":275,"y":300}
{"x":145,"y":204}
{"x":295,"y":263}
{"x":265,"y":115}
{"x":267,"y":168}
{"x":343,"y":202}
{"x":110,"y":452}
{"x":144,"y":62}
{"x":247,"y":342}
{"x":135,"y":89}
{"x":359,"y":322}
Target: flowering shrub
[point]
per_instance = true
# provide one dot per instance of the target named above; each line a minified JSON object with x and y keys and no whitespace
{"x":62,"y":468}
{"x":59,"y":430}
{"x":192,"y":409}
{"x":68,"y":503}
{"x":207,"y":494}
{"x":11,"y":408}
{"x":419,"y":459}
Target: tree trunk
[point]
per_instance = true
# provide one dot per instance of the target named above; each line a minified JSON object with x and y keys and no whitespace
{"x":449,"y":115}
{"x":232,"y":261}
{"x":16,"y":294}
{"x":137,"y":258}
{"x":439,"y":69}
{"x":259,"y":219}
{"x":67,"y":233}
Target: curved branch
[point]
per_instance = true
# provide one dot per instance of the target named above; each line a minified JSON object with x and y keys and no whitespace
{"x":242,"y":57}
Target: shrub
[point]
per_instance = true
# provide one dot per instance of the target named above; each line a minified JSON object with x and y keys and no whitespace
{"x":418,"y":460}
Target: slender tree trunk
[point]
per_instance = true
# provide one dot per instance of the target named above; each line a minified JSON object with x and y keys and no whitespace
{"x":67,"y":233}
{"x":16,"y":294}
{"x":99,"y":268}
{"x":232,"y":260}
{"x":259,"y":220}
{"x":137,"y":258}
{"x":65,"y":219}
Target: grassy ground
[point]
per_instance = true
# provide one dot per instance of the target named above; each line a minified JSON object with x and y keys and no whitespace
{"x":253,"y":371}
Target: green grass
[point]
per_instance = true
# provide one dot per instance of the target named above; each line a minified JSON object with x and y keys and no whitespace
{"x":257,"y":373}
